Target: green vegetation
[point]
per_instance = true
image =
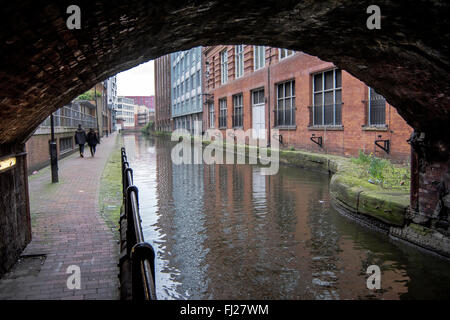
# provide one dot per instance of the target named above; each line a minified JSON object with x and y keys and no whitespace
{"x":110,"y":196}
{"x":420,"y":229}
{"x":149,"y":128}
{"x":89,"y":95}
{"x":381,"y":172}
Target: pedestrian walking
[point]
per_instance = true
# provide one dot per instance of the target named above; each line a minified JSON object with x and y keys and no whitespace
{"x":92,"y":140}
{"x":80,"y":139}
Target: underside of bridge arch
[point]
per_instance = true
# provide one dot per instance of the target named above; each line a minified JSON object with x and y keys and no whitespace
{"x":44,"y":65}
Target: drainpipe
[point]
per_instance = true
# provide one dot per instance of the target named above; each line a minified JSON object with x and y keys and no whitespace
{"x":268,"y":98}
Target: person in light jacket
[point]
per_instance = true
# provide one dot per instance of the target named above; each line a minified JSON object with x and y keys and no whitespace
{"x":80,"y":139}
{"x":92,"y":140}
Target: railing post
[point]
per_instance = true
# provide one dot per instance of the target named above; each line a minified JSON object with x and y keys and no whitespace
{"x":131,"y":232}
{"x":140,"y":254}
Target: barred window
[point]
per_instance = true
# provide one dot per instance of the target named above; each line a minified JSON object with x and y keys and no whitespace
{"x":259,"y":56}
{"x":224,"y":66}
{"x":285,"y":112}
{"x":65,"y":144}
{"x":237,"y":111}
{"x":239,"y":59}
{"x":377,"y":109}
{"x":327,"y":98}
{"x":223,"y":113}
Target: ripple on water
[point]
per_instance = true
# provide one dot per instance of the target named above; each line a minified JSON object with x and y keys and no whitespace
{"x":228,"y":232}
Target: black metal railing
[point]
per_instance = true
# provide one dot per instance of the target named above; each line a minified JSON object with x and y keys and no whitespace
{"x":138,"y":252}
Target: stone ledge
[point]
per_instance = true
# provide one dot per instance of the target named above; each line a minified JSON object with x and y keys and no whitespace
{"x":423,"y":237}
{"x":377,"y":208}
{"x":354,"y":194}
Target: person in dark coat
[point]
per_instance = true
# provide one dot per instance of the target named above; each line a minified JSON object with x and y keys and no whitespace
{"x":80,"y":139}
{"x":92,"y":140}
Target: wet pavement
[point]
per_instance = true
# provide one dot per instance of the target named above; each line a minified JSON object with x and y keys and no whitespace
{"x":67,"y":231}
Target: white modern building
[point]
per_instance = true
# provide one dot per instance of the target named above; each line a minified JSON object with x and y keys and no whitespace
{"x":186,"y":78}
{"x":111,"y":92}
{"x":125,"y":113}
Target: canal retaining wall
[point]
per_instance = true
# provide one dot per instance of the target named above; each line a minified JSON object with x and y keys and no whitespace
{"x":385,"y":210}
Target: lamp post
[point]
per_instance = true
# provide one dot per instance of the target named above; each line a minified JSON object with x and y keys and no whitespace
{"x":53,"y":151}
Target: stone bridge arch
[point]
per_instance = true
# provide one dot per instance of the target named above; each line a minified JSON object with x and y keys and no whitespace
{"x":44,"y":65}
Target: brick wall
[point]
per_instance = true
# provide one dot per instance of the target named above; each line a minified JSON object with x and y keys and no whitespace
{"x":163,"y":94}
{"x":354,"y":135}
{"x":38,"y":151}
{"x":15,"y":229}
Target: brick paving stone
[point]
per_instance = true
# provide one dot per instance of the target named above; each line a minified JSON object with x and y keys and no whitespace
{"x":68,"y":230}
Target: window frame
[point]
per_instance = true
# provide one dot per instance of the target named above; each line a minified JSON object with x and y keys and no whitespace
{"x":286,"y":53}
{"x":258,"y":61}
{"x":369,"y":109}
{"x":224,"y":66}
{"x":334,"y":89}
{"x":223,"y":113}
{"x":239,"y":61}
{"x":211,"y":114}
{"x":238,"y":110}
{"x":284,"y":98}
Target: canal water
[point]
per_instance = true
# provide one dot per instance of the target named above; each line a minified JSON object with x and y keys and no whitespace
{"x":227,"y":232}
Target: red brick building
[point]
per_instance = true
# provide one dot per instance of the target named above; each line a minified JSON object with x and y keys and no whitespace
{"x":163,"y":100}
{"x":304,"y":97}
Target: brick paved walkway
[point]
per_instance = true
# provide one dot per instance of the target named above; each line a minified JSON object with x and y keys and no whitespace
{"x":67,"y":230}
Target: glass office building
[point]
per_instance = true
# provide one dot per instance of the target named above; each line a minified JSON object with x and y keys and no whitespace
{"x":186,"y":80}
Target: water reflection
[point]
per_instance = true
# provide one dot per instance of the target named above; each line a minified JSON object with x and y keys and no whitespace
{"x":227,"y":232}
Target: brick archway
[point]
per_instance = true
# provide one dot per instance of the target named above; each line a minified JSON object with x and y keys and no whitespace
{"x":43,"y":65}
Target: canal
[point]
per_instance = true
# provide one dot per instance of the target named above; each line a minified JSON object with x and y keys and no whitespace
{"x":227,"y":232}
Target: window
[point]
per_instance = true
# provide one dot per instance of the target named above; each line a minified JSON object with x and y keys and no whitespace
{"x":224,"y":66}
{"x":284,"y":53}
{"x":211,"y":115}
{"x":239,"y":59}
{"x":237,"y":111}
{"x":285,"y":113}
{"x":327,"y":98}
{"x":259,"y":55}
{"x":223,"y":113}
{"x":258,"y":97}
{"x":65,"y":144}
{"x":377,"y":109}
{"x":199,"y":80}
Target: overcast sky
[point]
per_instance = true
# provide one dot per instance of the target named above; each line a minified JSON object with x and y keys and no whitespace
{"x":138,"y":81}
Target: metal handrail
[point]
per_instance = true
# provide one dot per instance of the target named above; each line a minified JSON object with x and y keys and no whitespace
{"x":140,"y":253}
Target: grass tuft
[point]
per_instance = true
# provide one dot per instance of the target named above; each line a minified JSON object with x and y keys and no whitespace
{"x":382,"y":172}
